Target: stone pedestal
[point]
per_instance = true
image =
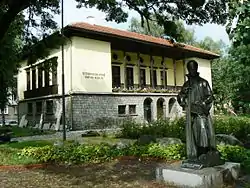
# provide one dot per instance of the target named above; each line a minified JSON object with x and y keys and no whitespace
{"x":212,"y":177}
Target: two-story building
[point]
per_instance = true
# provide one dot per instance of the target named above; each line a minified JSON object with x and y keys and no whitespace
{"x":108,"y":73}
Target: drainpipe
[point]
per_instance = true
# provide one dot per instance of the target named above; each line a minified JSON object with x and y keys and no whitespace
{"x":71,"y":88}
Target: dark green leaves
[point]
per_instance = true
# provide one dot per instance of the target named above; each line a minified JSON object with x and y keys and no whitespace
{"x":189,"y":10}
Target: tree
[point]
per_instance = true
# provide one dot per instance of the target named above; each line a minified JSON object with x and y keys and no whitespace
{"x":208,"y":43}
{"x":181,"y":34}
{"x":11,"y":46}
{"x":165,"y":12}
{"x":238,"y":29}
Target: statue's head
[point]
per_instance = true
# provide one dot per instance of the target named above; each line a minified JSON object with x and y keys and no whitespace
{"x":192,"y":67}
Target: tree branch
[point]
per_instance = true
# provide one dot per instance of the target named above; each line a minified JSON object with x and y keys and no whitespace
{"x":14,"y":8}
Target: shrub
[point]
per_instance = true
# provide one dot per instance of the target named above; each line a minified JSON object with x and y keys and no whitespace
{"x":233,"y":153}
{"x":159,"y":128}
{"x":238,"y":126}
{"x":102,"y":152}
{"x":77,"y":154}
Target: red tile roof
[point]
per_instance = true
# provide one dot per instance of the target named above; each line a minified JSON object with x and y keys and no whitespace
{"x":136,"y":36}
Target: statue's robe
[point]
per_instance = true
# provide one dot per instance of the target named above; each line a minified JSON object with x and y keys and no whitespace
{"x":199,"y":128}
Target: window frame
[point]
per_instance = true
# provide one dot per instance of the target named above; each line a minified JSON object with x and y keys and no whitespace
{"x":121,"y":106}
{"x":131,"y":107}
{"x":39,"y":102}
{"x":52,"y":109}
{"x":143,"y":80}
{"x":28,"y":80}
{"x":28,"y":112}
{"x":130,"y":79}
{"x":33,"y":79}
{"x":116,"y":83}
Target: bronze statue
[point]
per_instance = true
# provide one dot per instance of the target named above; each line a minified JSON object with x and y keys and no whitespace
{"x":196,"y":98}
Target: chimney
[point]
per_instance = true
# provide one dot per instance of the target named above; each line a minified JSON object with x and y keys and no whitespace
{"x":91,"y":20}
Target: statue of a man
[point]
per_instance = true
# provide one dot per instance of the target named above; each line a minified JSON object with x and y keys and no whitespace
{"x":196,"y":98}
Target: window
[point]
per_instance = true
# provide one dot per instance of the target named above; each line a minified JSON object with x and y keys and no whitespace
{"x":122,"y":109}
{"x":132,"y":109}
{"x":154,"y":81}
{"x":28,"y":80}
{"x":49,"y":107}
{"x":116,"y":78}
{"x":40,"y":77}
{"x":6,"y":110}
{"x":162,"y":78}
{"x":15,"y":110}
{"x":143,"y":78}
{"x":30,"y":108}
{"x":54,"y":76}
{"x":38,"y":107}
{"x":33,"y":79}
{"x":115,"y":56}
{"x":130,"y":77}
{"x":46,"y":75}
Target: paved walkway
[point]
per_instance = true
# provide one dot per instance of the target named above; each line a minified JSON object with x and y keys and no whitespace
{"x":71,"y":135}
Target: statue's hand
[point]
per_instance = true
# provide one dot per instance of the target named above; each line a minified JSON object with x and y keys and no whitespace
{"x":199,"y":108}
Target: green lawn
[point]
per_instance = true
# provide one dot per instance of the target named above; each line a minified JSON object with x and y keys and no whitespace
{"x":21,"y":132}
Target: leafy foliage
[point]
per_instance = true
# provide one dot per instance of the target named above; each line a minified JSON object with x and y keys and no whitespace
{"x":238,"y":28}
{"x":160,"y":128}
{"x":74,"y":153}
{"x":78,"y":154}
{"x":9,"y":48}
{"x":164,"y":11}
{"x":238,"y":126}
{"x":180,"y":34}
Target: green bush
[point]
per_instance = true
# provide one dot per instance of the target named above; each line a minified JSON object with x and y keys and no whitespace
{"x":159,"y":128}
{"x":102,"y":152}
{"x":77,"y":154}
{"x":238,"y":126}
{"x":233,"y":153}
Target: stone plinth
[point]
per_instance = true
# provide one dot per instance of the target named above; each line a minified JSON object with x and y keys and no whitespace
{"x":212,"y":177}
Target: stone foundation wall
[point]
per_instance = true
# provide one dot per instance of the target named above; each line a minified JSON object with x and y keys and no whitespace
{"x":83,"y":111}
{"x":87,"y":108}
{"x":34,"y":117}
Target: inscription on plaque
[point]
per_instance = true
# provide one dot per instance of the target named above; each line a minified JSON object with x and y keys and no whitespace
{"x":93,"y":75}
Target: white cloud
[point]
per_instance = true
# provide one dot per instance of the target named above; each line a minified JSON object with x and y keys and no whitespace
{"x":72,"y":14}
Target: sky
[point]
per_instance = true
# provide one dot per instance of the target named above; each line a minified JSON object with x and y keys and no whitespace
{"x":73,"y":14}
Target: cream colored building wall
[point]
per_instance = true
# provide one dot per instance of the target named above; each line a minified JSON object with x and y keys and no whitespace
{"x":146,"y":65}
{"x":91,"y":65}
{"x":67,"y":68}
{"x":22,"y":78}
{"x":179,"y":73}
{"x":21,"y":81}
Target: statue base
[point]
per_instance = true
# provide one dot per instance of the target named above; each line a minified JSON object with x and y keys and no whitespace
{"x":210,"y":159}
{"x":211,"y":177}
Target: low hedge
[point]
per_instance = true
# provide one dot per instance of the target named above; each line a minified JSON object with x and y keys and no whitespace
{"x":74,"y":154}
{"x":160,"y":128}
{"x":238,"y":126}
{"x":77,"y":154}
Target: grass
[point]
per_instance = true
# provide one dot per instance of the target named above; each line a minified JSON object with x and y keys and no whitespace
{"x":22,"y":132}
